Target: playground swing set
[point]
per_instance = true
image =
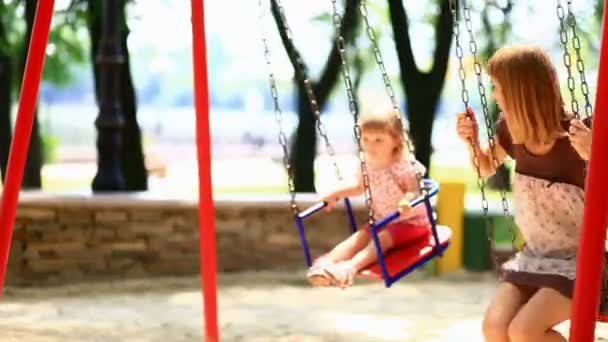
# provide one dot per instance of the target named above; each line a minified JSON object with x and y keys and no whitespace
{"x":398,"y":263}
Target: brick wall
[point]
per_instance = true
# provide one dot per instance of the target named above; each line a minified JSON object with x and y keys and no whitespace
{"x":63,"y":238}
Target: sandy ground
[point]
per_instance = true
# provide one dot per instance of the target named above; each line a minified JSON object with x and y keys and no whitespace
{"x":253,"y":307}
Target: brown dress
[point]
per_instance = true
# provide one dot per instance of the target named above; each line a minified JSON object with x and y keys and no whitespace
{"x":549,"y":204}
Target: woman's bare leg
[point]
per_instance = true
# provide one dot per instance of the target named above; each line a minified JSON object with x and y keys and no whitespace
{"x":536,"y":319}
{"x":507,"y":302}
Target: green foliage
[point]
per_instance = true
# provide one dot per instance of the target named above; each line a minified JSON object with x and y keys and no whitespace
{"x":49,"y":140}
{"x":66,"y":48}
{"x":11,"y":13}
{"x":324,"y":18}
{"x":50,"y":147}
{"x":599,"y":11}
{"x":67,"y":41}
{"x":68,"y":44}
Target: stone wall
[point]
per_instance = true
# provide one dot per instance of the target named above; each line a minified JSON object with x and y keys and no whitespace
{"x":63,"y":238}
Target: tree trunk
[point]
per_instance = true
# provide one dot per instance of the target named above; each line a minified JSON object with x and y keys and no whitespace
{"x":132,"y":156}
{"x":31,"y":178}
{"x":6,"y":86}
{"x":304,"y":146}
{"x":422,"y":89}
{"x":421,"y":128}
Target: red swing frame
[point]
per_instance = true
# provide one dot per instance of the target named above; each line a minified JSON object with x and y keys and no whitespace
{"x":590,"y":260}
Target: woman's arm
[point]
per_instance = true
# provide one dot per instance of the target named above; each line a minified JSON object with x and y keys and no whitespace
{"x":485,"y":157}
{"x":482,"y":158}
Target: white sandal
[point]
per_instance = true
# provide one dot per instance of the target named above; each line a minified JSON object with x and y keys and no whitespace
{"x":317,"y":276}
{"x":341,"y":274}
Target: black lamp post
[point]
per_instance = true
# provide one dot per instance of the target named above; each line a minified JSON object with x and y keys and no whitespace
{"x":110,"y":121}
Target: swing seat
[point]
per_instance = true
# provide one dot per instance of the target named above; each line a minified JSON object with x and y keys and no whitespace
{"x":402,"y":260}
{"x":409,"y":257}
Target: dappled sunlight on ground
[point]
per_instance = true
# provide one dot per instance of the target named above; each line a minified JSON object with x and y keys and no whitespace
{"x":258,"y":307}
{"x":389,"y":329}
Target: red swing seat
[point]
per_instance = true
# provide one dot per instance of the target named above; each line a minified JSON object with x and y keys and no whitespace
{"x":410,"y":255}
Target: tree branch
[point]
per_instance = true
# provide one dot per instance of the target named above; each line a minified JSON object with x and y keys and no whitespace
{"x":323,"y":87}
{"x":444,"y":41}
{"x":290,"y":48}
{"x":347,"y":28}
{"x":403,"y":43}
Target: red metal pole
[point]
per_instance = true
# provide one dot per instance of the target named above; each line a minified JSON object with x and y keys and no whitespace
{"x":23,"y":130}
{"x":203,"y":144}
{"x":590,"y":263}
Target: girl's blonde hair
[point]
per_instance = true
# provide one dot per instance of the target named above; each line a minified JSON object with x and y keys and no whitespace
{"x":384,"y":121}
{"x":530,"y":91}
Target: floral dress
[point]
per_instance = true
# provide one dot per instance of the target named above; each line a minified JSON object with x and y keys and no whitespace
{"x":549,"y":204}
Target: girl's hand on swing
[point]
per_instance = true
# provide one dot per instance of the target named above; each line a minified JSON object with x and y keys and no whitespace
{"x":467,"y":127}
{"x":580,"y":138}
{"x":405,"y":207}
{"x":331,"y":201}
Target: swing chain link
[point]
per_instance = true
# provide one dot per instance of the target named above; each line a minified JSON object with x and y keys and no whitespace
{"x":279,"y":117}
{"x":490,"y":129}
{"x":405,"y":136}
{"x":465,"y":99}
{"x":353,"y":107}
{"x":580,"y":65}
{"x":567,"y":58}
{"x":378,"y":56}
{"x":459,"y":53}
{"x":301,"y":72}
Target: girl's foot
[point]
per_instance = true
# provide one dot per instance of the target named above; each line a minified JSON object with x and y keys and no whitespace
{"x":317,"y":276}
{"x":342,"y":274}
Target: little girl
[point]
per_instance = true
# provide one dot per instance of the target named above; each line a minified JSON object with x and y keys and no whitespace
{"x":549,"y":149}
{"x":393,"y":184}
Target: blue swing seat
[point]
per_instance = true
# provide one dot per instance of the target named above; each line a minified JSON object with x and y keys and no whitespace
{"x":400,"y":261}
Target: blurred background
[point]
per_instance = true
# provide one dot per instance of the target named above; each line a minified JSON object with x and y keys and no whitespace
{"x":157,"y":86}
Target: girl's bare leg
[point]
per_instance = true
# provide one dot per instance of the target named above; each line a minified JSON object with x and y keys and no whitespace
{"x":507,"y":302}
{"x":536,"y":319}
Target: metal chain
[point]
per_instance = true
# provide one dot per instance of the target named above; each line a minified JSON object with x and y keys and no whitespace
{"x":486,"y":115}
{"x":580,"y":65}
{"x":302,"y":72}
{"x":465,"y":100}
{"x":563,"y":37}
{"x":464,"y":94}
{"x":353,"y":107}
{"x":391,"y":93}
{"x":278,"y":115}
